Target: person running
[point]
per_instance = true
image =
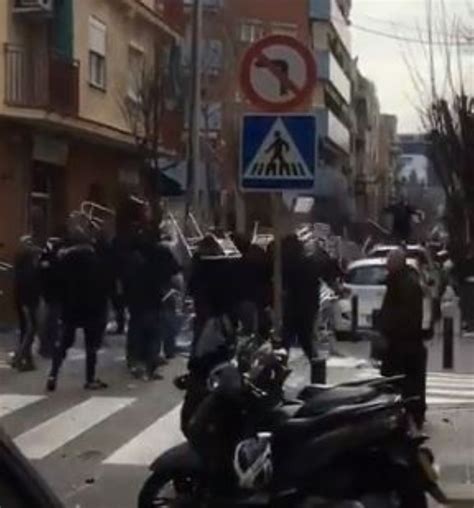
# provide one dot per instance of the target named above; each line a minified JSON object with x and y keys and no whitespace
{"x":85,"y":289}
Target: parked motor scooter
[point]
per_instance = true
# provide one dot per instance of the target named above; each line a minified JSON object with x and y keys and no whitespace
{"x":330,"y":445}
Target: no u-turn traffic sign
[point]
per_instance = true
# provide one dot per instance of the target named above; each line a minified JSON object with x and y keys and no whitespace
{"x":278,"y":73}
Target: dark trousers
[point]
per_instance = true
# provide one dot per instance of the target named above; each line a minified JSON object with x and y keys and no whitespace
{"x":412,"y":364}
{"x":93,"y":334}
{"x":298,"y":327}
{"x":143,"y":339}
{"x":118,"y":305}
{"x":28,"y":320}
{"x":50,"y":329}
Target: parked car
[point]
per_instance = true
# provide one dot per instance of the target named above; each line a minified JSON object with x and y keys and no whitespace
{"x":366,"y":279}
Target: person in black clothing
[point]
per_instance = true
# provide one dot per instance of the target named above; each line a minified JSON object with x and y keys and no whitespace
{"x":402,"y":214}
{"x":85,"y":282}
{"x":27,"y":289}
{"x":301,"y":283}
{"x":401,"y":323}
{"x":149,"y":268}
{"x":51,"y":293}
{"x":212,"y":283}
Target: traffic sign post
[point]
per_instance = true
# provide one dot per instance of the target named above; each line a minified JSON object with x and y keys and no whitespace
{"x":279,"y":151}
{"x":278,"y":73}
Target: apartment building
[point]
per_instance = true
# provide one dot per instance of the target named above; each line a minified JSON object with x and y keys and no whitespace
{"x":229,"y":28}
{"x":331,"y":42}
{"x":68,"y":66}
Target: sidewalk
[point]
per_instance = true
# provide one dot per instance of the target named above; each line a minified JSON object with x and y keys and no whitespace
{"x":451,"y":428}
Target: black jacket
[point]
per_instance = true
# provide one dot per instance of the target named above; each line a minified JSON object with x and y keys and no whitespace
{"x":401,"y":317}
{"x":85,"y":282}
{"x":27,"y":282}
{"x":49,"y":272}
{"x":147,"y":272}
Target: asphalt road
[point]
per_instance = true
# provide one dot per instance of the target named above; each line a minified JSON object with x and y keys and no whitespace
{"x":94,"y":448}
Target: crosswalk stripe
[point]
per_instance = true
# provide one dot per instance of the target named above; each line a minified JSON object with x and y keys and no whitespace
{"x":442,"y":388}
{"x":453,"y":384}
{"x":47,"y":437}
{"x":453,"y":393}
{"x":11,"y":403}
{"x":438,"y":401}
{"x":160,"y":436}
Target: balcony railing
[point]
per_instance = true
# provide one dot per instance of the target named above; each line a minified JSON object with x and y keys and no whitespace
{"x":41,"y":80}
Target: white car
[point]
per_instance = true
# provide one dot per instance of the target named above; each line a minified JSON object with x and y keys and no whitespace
{"x":366,"y":279}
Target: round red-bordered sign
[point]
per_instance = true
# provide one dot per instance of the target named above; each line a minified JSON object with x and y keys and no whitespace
{"x":278,"y":73}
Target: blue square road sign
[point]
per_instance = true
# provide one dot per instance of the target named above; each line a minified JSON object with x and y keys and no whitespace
{"x":278,"y":152}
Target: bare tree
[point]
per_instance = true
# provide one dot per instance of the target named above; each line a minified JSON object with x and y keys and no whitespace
{"x":218,"y":68}
{"x":144,"y":108}
{"x":446,"y":107}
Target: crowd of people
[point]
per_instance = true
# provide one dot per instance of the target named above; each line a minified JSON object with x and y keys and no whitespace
{"x":75,"y":279}
{"x":123,"y":265}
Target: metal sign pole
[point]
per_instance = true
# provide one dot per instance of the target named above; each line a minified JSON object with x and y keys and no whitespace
{"x":277,"y":264}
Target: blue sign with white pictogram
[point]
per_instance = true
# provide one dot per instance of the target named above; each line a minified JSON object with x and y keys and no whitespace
{"x":278,"y":152}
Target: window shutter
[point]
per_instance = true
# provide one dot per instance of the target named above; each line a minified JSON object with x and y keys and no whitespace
{"x":97,"y":36}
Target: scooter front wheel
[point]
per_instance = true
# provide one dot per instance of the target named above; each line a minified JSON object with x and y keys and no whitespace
{"x":169,"y":490}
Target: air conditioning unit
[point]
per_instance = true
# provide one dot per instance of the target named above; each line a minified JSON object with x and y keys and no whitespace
{"x":34,"y":7}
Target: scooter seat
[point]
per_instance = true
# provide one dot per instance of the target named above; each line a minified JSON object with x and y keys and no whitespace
{"x":334,"y":397}
{"x":300,"y":426}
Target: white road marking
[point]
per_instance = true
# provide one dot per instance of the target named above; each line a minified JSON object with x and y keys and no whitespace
{"x":443,"y":401}
{"x":152,"y":442}
{"x":442,"y":388}
{"x":47,"y":437}
{"x":11,"y":403}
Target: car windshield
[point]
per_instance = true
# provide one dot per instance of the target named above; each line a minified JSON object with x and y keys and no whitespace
{"x":374,"y":275}
{"x":367,"y":276}
{"x":413,"y":253}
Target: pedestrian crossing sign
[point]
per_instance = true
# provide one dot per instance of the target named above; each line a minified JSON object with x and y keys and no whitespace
{"x":278,"y":152}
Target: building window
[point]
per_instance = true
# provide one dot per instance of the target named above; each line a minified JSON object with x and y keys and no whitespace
{"x":251,"y":32}
{"x":285,"y":29}
{"x":136,"y":60}
{"x":97,"y":53}
{"x":213,"y":54}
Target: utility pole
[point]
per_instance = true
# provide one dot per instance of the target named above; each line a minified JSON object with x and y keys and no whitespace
{"x":194,"y":182}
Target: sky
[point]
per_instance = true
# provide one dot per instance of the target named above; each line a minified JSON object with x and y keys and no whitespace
{"x":384,"y":60}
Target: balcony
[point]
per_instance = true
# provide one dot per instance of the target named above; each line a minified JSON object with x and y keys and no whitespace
{"x":41,"y":81}
{"x":329,"y":10}
{"x":329,"y":70}
{"x":33,"y":9}
{"x":331,"y":128}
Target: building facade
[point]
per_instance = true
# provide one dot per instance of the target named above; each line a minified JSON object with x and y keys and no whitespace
{"x":68,"y":67}
{"x":229,"y":28}
{"x":68,"y":70}
{"x":331,"y":42}
{"x":375,"y":151}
